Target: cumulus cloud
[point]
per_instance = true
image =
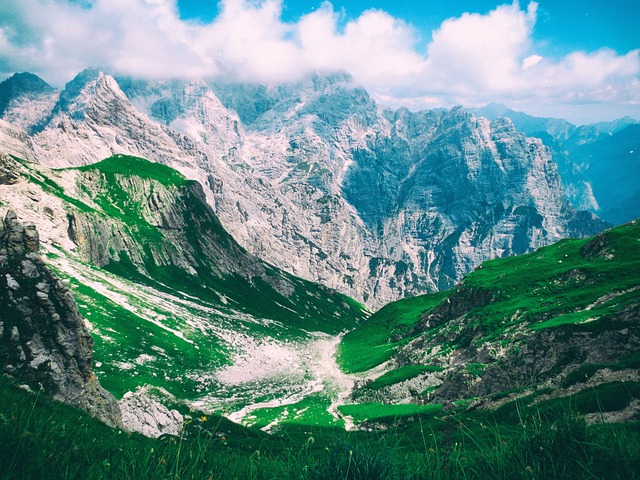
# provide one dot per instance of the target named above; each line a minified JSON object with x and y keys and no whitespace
{"x":479,"y":58}
{"x":471,"y":59}
{"x":481,"y":52}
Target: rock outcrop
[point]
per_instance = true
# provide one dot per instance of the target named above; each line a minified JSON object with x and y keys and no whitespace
{"x":9,"y":170}
{"x":43,"y":339}
{"x":142,"y":413}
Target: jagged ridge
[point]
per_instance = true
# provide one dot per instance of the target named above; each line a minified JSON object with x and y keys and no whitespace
{"x":325,"y":183}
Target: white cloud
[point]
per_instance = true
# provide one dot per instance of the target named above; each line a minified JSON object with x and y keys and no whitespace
{"x":376,"y":48}
{"x":531,"y":61}
{"x":472,"y":59}
{"x":480,"y":58}
{"x":481,"y":52}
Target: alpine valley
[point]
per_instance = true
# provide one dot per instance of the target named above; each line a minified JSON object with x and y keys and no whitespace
{"x":292,"y":281}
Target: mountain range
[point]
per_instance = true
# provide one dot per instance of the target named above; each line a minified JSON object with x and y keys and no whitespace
{"x":598,"y":163}
{"x":315,"y":176}
{"x":172,"y":300}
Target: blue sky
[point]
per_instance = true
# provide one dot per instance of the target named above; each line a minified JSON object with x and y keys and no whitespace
{"x":563,"y":25}
{"x":578,"y":60}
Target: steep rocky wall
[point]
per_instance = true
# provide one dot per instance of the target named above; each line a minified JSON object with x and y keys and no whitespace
{"x":43,"y":339}
{"x":324,"y":183}
{"x":153,"y":224}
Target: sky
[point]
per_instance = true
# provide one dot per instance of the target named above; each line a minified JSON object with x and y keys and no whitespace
{"x":578,"y":60}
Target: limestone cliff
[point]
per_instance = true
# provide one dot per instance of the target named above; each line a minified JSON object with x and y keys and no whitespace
{"x":323,"y":182}
{"x":43,"y":339}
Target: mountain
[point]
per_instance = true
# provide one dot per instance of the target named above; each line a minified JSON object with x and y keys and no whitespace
{"x":170,"y":298}
{"x":323,"y":182}
{"x":475,"y":190}
{"x":43,"y":339}
{"x":560,"y":130}
{"x":293,"y":179}
{"x":596,"y":161}
{"x":507,"y":372}
{"x":611,"y":162}
{"x":26,"y":100}
{"x":495,"y":361}
{"x":553,"y":325}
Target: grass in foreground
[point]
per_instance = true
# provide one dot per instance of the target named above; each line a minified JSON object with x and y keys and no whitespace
{"x":44,"y":439}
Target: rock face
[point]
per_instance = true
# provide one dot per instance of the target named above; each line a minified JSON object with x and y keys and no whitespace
{"x":15,"y":141}
{"x":542,"y":356}
{"x":9,"y":170}
{"x":43,"y":339}
{"x":598,"y":163}
{"x":26,"y":100}
{"x":319,"y":180}
{"x":143,"y":414}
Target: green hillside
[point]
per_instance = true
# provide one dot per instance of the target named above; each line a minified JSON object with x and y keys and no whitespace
{"x":46,"y":439}
{"x":172,"y":300}
{"x":527,"y":369}
{"x":560,"y":322}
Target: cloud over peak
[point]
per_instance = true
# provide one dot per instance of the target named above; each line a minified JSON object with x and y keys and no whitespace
{"x":471,"y":59}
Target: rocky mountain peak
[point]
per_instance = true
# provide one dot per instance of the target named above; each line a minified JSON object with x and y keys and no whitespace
{"x":43,"y":339}
{"x":88,"y":87}
{"x":20,"y":240}
{"x":21,"y":85}
{"x":26,"y":100}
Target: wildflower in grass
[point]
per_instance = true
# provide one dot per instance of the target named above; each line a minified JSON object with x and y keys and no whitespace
{"x":203,"y":418}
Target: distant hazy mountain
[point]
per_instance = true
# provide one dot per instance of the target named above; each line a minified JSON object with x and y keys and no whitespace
{"x":598,"y":162}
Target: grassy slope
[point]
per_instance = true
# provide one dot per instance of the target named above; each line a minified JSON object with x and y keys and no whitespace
{"x":577,"y":283}
{"x":384,"y":332}
{"x":127,"y":165}
{"x":558,"y":284}
{"x":310,"y":306}
{"x":41,"y":438}
{"x":163,"y":326}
